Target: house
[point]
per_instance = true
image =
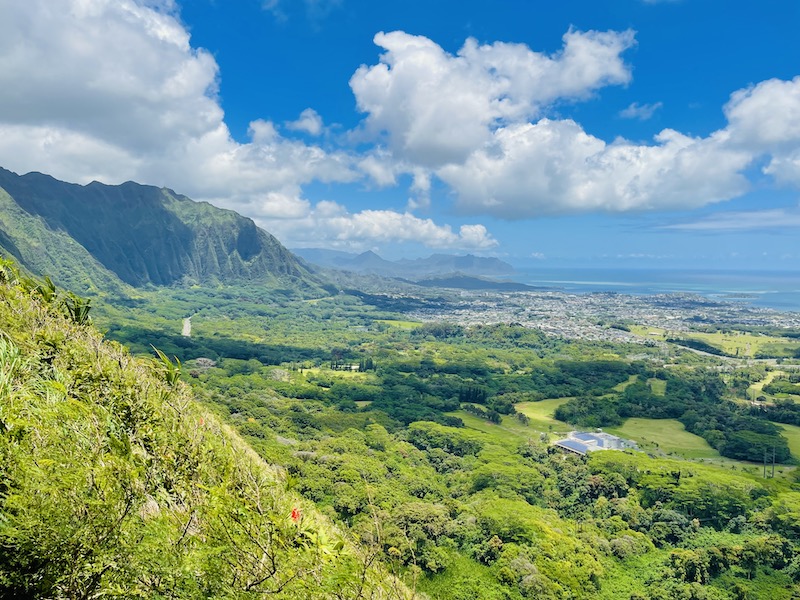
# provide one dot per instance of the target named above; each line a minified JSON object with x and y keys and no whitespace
{"x":583,"y":442}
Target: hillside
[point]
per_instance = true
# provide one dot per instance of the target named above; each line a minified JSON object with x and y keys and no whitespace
{"x":114,"y":482}
{"x":108,"y":237}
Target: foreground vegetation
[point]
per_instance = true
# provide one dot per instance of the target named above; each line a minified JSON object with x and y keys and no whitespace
{"x":114,"y":482}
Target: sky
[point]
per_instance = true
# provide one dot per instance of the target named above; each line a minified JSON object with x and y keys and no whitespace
{"x":631,"y":133}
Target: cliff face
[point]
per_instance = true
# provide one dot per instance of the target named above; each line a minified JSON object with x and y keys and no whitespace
{"x":139,"y":234}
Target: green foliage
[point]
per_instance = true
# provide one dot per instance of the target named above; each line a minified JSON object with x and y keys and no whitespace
{"x":115,"y":484}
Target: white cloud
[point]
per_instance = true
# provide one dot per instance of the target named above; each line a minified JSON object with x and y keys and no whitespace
{"x":642,"y":112}
{"x":487,"y":138}
{"x":380,"y":167}
{"x":765,"y":118}
{"x":436,"y":108}
{"x":777,"y":218}
{"x":113,"y":90}
{"x":549,"y":167}
{"x":556,"y":167}
{"x":281,"y":205}
{"x":310,"y":122}
{"x":330,"y":224}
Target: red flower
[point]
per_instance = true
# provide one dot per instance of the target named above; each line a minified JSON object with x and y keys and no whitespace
{"x":295,"y":514}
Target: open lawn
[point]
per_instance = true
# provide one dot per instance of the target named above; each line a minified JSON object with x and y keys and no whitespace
{"x":400,"y":324}
{"x":657,"y":386}
{"x":792,"y":435}
{"x":735,"y":344}
{"x":743,"y":345}
{"x":509,"y":430}
{"x":668,"y":436}
{"x":620,"y":387}
{"x":665,"y":435}
{"x":653,"y":333}
{"x":541,"y":415}
{"x":757,"y":388}
{"x":350,"y":375}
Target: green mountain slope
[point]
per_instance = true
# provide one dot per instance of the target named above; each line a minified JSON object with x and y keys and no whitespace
{"x":90,"y":235}
{"x":114,"y":482}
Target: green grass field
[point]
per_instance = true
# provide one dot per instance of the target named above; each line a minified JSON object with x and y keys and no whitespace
{"x":657,"y":386}
{"x":541,"y":421}
{"x":743,"y":345}
{"x":357,"y":375}
{"x":509,"y":430}
{"x":541,"y":415}
{"x":665,"y":435}
{"x":400,"y":324}
{"x":792,"y":435}
{"x":669,"y":437}
{"x":757,"y":388}
{"x":620,"y":387}
{"x":662,"y":437}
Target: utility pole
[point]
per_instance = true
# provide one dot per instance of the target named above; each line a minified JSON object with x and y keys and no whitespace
{"x":773,"y":462}
{"x":765,"y":462}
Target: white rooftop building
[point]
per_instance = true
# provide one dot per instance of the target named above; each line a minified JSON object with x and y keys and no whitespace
{"x":583,"y":442}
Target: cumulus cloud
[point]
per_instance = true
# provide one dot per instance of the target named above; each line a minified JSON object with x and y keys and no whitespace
{"x":113,"y":90}
{"x":642,"y":112}
{"x":380,"y":167}
{"x":556,"y":167}
{"x":331,"y":224}
{"x":281,"y":205}
{"x":435,"y":108}
{"x":765,"y":118}
{"x":310,"y":122}
{"x":478,"y":121}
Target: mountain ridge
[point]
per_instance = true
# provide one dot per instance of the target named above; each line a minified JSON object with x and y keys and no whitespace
{"x":136,"y":235}
{"x":413,"y":269}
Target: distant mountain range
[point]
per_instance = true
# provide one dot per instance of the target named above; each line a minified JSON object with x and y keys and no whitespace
{"x":107,"y":238}
{"x":416,"y":269}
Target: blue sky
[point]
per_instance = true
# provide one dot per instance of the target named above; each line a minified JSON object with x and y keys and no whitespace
{"x":605,"y":132}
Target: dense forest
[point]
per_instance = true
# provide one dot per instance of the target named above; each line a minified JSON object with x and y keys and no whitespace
{"x":329,"y":448}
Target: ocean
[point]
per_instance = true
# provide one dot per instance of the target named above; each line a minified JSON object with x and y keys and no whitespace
{"x":779,"y":290}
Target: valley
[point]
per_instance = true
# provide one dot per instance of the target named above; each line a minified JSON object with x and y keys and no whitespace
{"x":405,"y":415}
